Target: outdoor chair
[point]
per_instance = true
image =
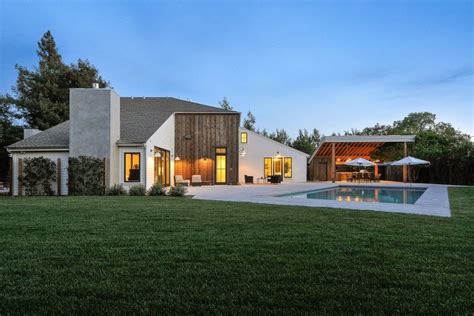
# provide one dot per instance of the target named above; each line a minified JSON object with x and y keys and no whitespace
{"x":274,"y":179}
{"x":248,"y":179}
{"x":196,"y":180}
{"x":356,"y":176}
{"x":372,"y":177}
{"x":350,"y":178}
{"x":178,"y":179}
{"x":366,"y":176}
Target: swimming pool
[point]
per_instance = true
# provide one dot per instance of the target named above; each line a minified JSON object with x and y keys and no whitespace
{"x":364,"y":194}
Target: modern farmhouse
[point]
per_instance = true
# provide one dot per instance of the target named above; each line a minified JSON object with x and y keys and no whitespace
{"x":147,"y":140}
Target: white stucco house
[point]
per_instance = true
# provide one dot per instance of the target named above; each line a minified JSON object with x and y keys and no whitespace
{"x":261,"y":157}
{"x":153,"y":139}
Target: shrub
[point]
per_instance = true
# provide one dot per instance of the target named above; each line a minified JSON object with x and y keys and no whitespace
{"x":137,"y":190}
{"x":178,"y":190}
{"x":116,"y":189}
{"x":157,"y":189}
{"x":38,"y":173}
{"x":86,"y":175}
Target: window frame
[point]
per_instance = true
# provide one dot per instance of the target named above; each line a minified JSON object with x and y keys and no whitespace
{"x":246,"y":137}
{"x":271,"y":166}
{"x":125,"y":166}
{"x":222,"y":152}
{"x":291,"y":167}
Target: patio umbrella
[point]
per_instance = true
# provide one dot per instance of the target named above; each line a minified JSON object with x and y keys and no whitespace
{"x":410,"y":161}
{"x":360,"y":162}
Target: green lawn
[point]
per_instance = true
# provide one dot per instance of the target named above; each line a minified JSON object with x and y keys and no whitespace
{"x":172,"y":255}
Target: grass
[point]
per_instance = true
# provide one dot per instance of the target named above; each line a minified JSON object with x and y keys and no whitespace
{"x":170,"y":255}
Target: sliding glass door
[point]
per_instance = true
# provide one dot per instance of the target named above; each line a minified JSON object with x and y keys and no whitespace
{"x":162,"y":166}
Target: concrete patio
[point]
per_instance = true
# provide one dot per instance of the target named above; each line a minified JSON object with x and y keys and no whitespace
{"x":433,"y":202}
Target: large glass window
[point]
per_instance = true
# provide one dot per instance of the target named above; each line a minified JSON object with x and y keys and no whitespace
{"x":267,"y":166}
{"x":288,"y":162}
{"x":278,"y":166}
{"x":243,"y":137}
{"x":132,"y":167}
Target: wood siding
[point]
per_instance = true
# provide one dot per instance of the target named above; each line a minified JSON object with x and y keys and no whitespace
{"x":320,"y":169}
{"x":196,"y":137}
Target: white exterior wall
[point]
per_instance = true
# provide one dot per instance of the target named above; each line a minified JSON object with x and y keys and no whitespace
{"x":163,"y":138}
{"x":64,"y":156}
{"x":259,"y":147}
{"x":122,"y":151}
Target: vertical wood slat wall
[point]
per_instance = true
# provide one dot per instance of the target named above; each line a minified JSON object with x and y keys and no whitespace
{"x":10,"y":175}
{"x":20,"y":174}
{"x":58,"y":177}
{"x":196,"y":137}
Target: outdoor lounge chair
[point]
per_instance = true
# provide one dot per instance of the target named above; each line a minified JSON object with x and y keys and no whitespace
{"x":248,"y":179}
{"x":179,"y":180}
{"x":196,"y":180}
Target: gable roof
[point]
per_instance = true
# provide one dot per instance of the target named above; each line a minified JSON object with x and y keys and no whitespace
{"x":140,"y":118}
{"x":243,"y":129}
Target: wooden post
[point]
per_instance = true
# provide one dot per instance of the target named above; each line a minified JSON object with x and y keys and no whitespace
{"x":333,"y":162}
{"x":376,"y":169}
{"x":58,"y":177}
{"x":20,"y":174}
{"x":103,"y":179}
{"x":10,"y":175}
{"x":405,"y":168}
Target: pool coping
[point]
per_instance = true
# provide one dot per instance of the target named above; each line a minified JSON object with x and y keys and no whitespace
{"x":433,"y":202}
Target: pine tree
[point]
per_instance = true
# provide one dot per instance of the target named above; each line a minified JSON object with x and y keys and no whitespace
{"x":306,"y":142}
{"x":225,"y":104}
{"x":281,"y":136}
{"x":42,"y":94}
{"x":249,"y":121}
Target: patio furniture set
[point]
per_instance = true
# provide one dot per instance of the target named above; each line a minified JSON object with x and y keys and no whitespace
{"x":364,"y":177}
{"x":275,"y":179}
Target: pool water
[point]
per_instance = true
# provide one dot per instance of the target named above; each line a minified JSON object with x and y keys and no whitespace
{"x":364,"y":194}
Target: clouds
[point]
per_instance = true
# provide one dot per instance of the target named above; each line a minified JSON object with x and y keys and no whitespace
{"x":448,"y":76}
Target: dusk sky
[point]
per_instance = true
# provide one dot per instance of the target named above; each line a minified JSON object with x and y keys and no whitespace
{"x":331,"y":65}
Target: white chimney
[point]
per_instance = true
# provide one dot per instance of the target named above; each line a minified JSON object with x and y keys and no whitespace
{"x":95,"y":85}
{"x":94,"y":126}
{"x":28,"y":132}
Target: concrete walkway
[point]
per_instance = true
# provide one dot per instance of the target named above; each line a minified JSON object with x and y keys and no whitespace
{"x":434,"y":201}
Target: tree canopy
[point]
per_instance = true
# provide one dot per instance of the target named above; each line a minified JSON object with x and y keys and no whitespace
{"x":307,"y":142}
{"x":41,"y":94}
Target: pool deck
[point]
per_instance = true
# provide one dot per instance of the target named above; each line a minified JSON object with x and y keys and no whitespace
{"x":433,"y":202}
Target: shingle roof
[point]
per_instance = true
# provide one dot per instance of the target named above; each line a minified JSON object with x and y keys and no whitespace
{"x":139,"y":120}
{"x":54,"y":137}
{"x":141,"y":117}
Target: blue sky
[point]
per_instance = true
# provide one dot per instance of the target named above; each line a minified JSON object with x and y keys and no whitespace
{"x":331,"y":65}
